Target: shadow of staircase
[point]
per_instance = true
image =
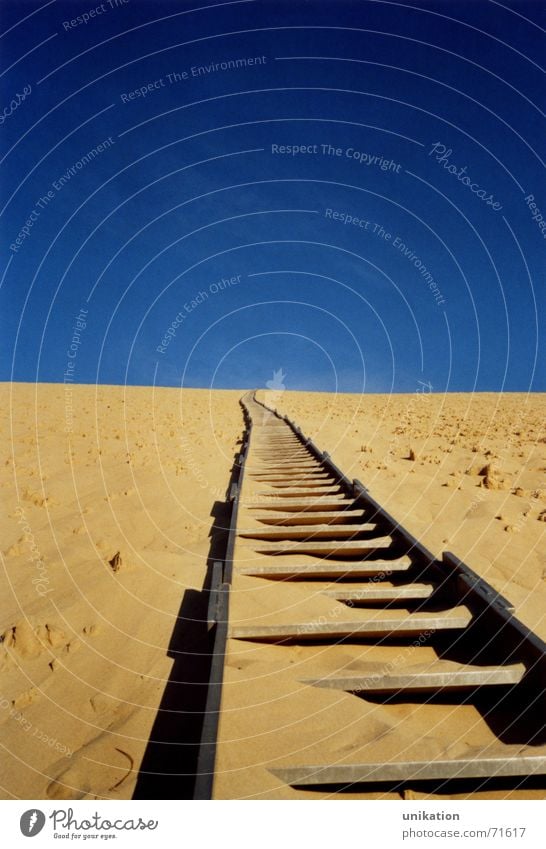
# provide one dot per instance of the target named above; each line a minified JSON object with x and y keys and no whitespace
{"x":168,"y":768}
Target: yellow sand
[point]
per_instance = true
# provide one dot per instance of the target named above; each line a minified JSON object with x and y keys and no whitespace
{"x":477,"y":485}
{"x":139,"y":473}
{"x":89,"y":663}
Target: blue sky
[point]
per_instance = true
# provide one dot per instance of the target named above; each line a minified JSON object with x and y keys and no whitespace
{"x":351,"y":192}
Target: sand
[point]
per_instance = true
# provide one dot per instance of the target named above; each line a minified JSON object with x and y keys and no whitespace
{"x":271,"y":717}
{"x":83,"y":662}
{"x":476,"y":485}
{"x":107,"y":532}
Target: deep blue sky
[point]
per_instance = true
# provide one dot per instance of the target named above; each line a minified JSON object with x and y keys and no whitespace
{"x":188,"y":191}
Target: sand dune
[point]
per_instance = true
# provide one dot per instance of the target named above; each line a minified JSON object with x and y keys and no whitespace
{"x":106,"y":529}
{"x":109,"y":494}
{"x":463,"y":472}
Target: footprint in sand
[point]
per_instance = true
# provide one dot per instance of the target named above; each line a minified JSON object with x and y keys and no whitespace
{"x":70,"y":784}
{"x":98,"y":769}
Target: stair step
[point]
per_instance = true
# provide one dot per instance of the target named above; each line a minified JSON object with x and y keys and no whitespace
{"x":305,"y":532}
{"x":269,"y":462}
{"x":277,"y":453}
{"x":317,"y":483}
{"x":283,"y":435}
{"x":404,"y":626}
{"x":325,"y":570}
{"x":296,"y":493}
{"x":335,"y":517}
{"x":375,"y":593}
{"x":301,"y":469}
{"x":349,"y":548}
{"x":438,"y":676}
{"x":484,"y":766}
{"x":306,"y":503}
{"x":286,"y":477}
{"x":278,"y":445}
{"x":274,"y":451}
{"x":281,"y":457}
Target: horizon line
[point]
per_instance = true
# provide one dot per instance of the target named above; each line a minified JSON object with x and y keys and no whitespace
{"x":265,"y":388}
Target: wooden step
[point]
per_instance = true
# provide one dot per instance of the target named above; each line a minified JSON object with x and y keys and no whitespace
{"x":281,"y":439}
{"x":291,"y":469}
{"x":286,"y":477}
{"x":349,"y":548}
{"x":327,"y":571}
{"x":442,"y":675}
{"x":296,"y":493}
{"x":277,"y":443}
{"x":295,"y":480}
{"x":295,"y":483}
{"x":276,"y":451}
{"x":285,"y":464}
{"x":273,"y":456}
{"x":273,"y":431}
{"x":270,"y":442}
{"x":282,"y":434}
{"x":279,"y":446}
{"x":510,"y":764}
{"x":407,"y":592}
{"x":406,"y":625}
{"x":306,"y":503}
{"x":335,"y":517}
{"x":272,"y":460}
{"x":306,"y":532}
